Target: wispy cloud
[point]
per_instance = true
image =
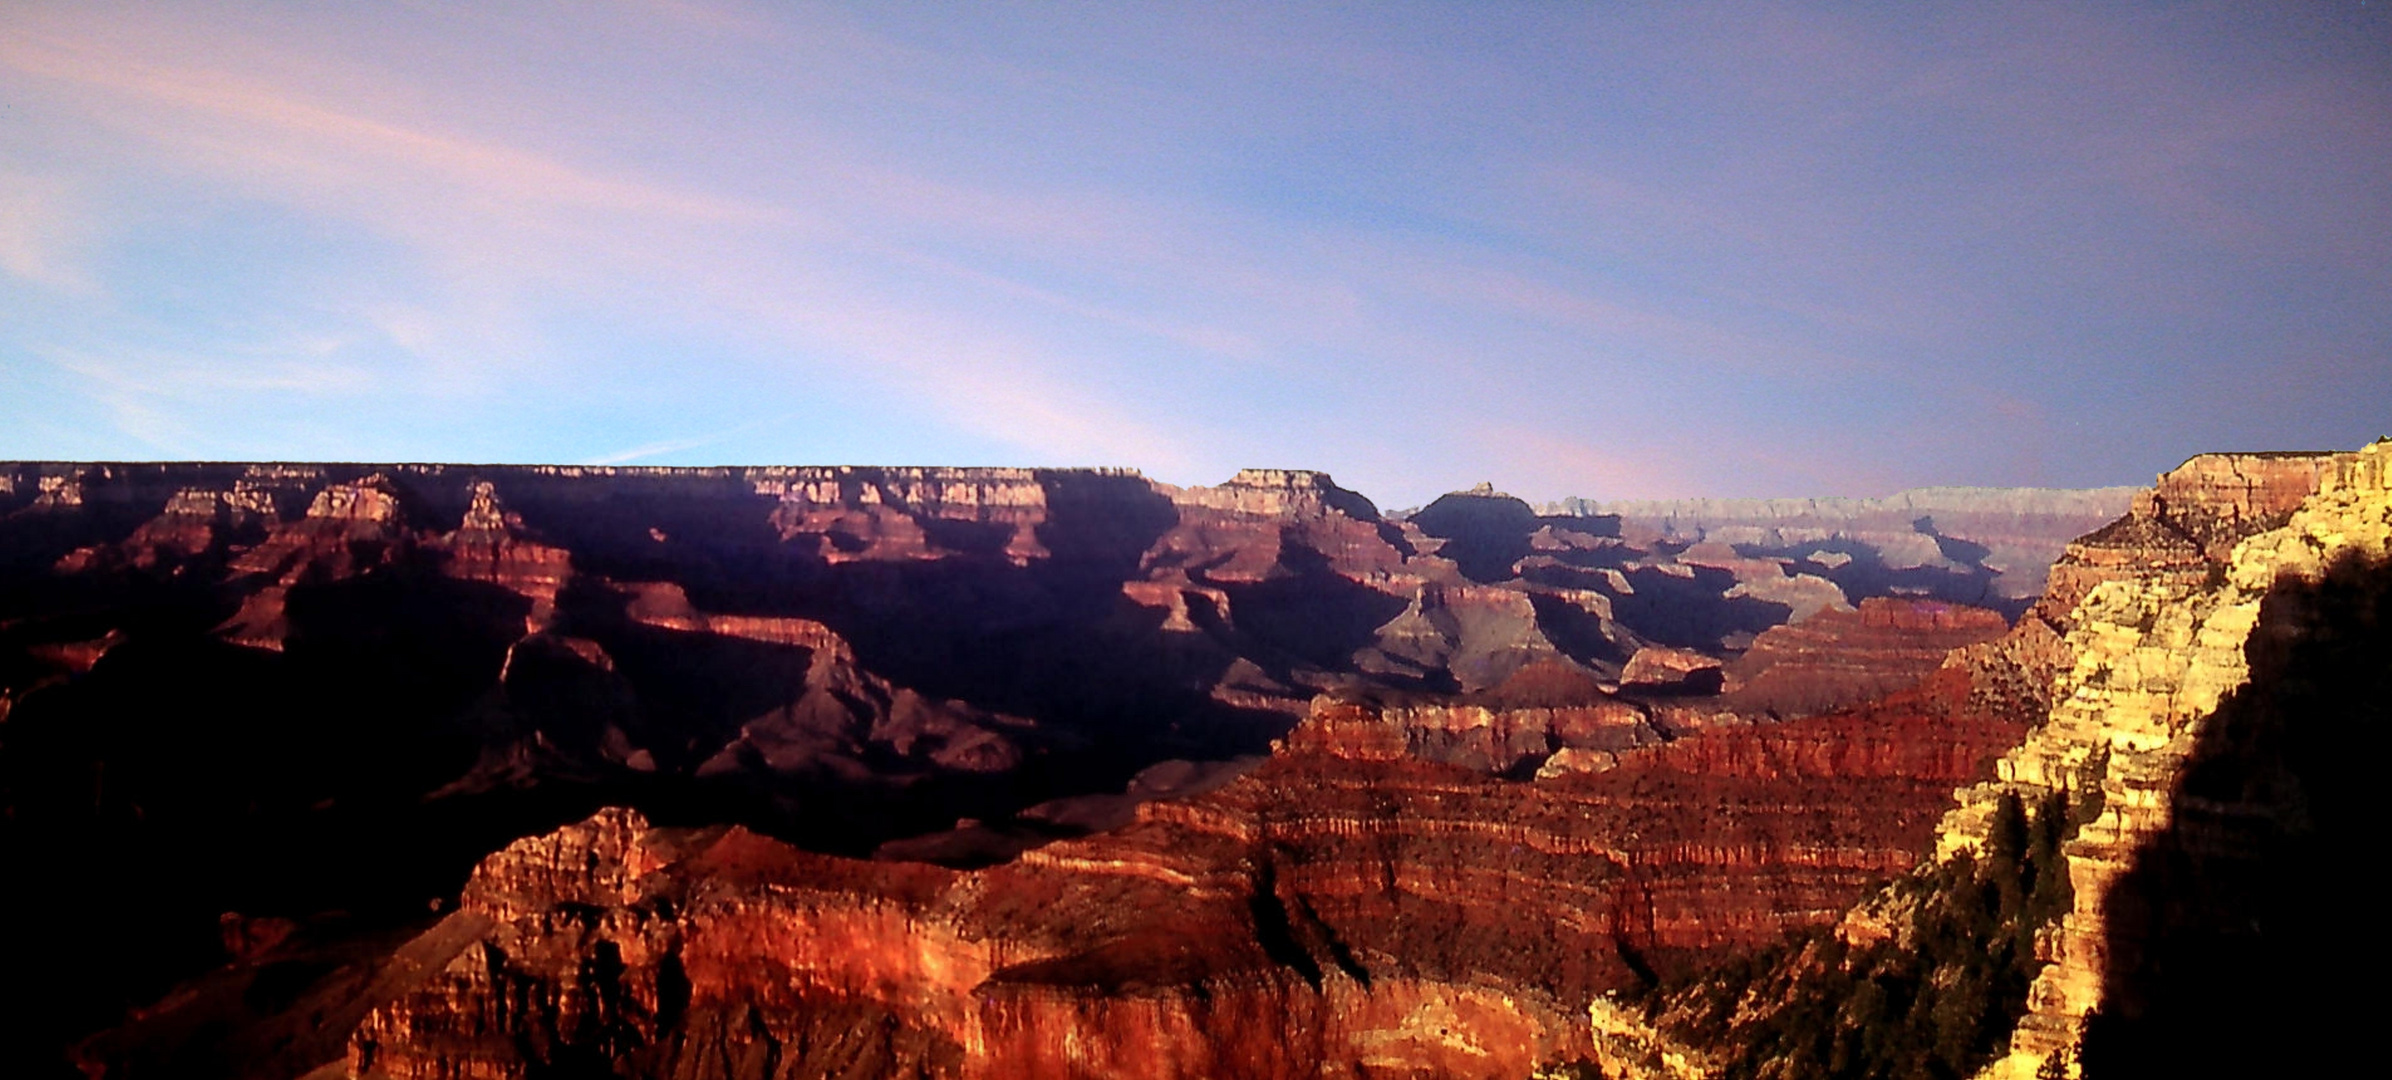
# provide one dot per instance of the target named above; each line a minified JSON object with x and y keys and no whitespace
{"x":1569,"y":250}
{"x":42,"y":233}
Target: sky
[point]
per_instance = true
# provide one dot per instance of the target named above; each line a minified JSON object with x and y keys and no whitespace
{"x":1604,"y":250}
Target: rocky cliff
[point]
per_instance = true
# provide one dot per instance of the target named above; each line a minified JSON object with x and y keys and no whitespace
{"x":313,"y":697}
{"x":2155,"y":911}
{"x":1347,"y":906}
{"x":1841,"y":659}
{"x":1973,"y":545}
{"x":2165,"y":667}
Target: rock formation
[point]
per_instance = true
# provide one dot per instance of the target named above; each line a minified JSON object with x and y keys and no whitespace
{"x":1972,"y":545}
{"x":1350,"y":904}
{"x":2200,"y":654}
{"x":1841,"y":659}
{"x":2157,"y":659}
{"x":314,"y":697}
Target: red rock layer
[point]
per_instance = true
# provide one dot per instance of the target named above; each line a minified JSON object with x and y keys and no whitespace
{"x":878,"y":514}
{"x":348,"y":530}
{"x":1483,"y":733}
{"x":491,"y":545}
{"x":1259,"y":514}
{"x":1838,"y":659}
{"x":194,"y":521}
{"x":1344,"y":909}
{"x":849,"y":674}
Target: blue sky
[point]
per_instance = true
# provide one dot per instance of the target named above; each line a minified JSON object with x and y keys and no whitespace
{"x":1590,"y":249}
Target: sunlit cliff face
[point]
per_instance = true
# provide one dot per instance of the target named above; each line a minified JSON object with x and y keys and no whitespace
{"x":2204,"y":658}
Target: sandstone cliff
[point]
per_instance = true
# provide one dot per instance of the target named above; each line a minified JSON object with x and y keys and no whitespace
{"x":2196,"y":650}
{"x":1842,"y":659}
{"x":2159,"y":663}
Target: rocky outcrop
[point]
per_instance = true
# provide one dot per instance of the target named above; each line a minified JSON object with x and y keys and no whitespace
{"x":195,"y":522}
{"x":348,"y":529}
{"x":2149,"y":893}
{"x":2187,"y":522}
{"x":491,"y":544}
{"x":848,"y":719}
{"x":2156,"y":656}
{"x":876,"y":514}
{"x":2172,"y":532}
{"x":1472,"y":636}
{"x":724,"y":952}
{"x":1296,"y":584}
{"x":1269,"y":523}
{"x":1350,"y":904}
{"x":1841,"y":659}
{"x":1657,"y":667}
{"x":1347,"y":905}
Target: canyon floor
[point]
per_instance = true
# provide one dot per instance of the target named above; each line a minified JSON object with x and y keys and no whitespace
{"x":514,"y":771}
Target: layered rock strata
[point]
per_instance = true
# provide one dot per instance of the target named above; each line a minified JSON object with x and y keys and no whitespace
{"x":1840,"y":659}
{"x":1973,"y":545}
{"x":2155,"y":655}
{"x":2165,"y":646}
{"x":1346,"y":907}
{"x":285,"y":690}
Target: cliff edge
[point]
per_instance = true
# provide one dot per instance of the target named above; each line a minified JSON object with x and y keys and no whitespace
{"x":2138,"y":889}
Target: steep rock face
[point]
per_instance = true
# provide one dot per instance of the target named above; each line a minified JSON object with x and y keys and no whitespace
{"x":1840,"y":659}
{"x":848,"y":716}
{"x":1348,"y":907}
{"x":1476,"y":636}
{"x":1264,"y":589}
{"x":738,"y":956}
{"x":2155,"y":657}
{"x":348,"y":529}
{"x":877,"y":514}
{"x":1260,"y":515}
{"x":2188,"y":521}
{"x":2177,"y":530}
{"x":2219,"y":499}
{"x":1486,"y":738}
{"x":1972,"y":545}
{"x":1544,"y":710}
{"x":491,"y":544}
{"x":194,"y":522}
{"x":2228,"y":639}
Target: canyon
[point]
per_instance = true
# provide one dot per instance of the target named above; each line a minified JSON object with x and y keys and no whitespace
{"x":399,"y":771}
{"x":2202,"y":654}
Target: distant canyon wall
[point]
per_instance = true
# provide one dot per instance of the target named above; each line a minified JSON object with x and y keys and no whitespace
{"x":2008,"y":534}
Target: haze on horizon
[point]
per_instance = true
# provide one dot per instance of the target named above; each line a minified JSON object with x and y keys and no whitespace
{"x":1591,"y":250}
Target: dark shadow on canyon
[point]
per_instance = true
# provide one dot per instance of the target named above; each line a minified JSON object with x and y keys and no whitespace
{"x":1483,"y":534}
{"x":2241,"y":934}
{"x":181,"y":777}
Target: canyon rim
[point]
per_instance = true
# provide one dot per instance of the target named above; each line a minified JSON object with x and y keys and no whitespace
{"x":440,"y":771}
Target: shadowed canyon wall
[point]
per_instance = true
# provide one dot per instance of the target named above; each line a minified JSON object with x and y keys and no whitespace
{"x":2216,"y":642}
{"x":1986,"y":546}
{"x":1142,"y":771}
